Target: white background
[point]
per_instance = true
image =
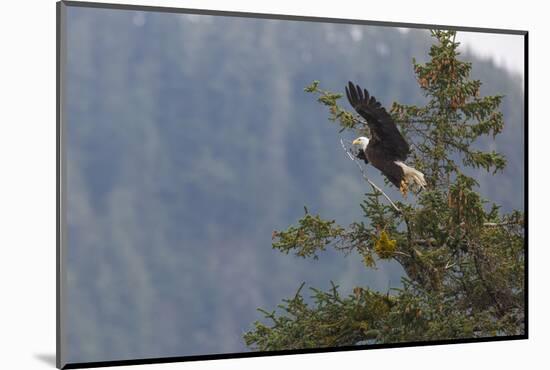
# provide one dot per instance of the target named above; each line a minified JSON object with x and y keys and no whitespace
{"x":27,"y":186}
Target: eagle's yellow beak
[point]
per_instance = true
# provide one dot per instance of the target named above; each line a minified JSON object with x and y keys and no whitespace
{"x":356,"y":142}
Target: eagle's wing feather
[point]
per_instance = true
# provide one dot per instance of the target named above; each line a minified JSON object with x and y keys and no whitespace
{"x":383,"y":130}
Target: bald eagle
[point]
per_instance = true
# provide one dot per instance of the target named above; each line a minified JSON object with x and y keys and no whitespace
{"x":387,"y":149}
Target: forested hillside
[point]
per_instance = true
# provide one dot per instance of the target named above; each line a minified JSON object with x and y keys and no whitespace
{"x":190,"y":139}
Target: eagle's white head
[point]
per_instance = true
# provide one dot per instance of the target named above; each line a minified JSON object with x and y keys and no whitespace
{"x":362,"y":142}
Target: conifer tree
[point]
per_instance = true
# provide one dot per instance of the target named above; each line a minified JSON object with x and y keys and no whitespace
{"x":463,"y":258}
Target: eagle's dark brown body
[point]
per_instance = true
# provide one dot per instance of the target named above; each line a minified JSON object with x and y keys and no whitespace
{"x":393,"y":172}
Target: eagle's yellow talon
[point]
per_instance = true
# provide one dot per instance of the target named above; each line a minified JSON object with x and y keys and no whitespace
{"x":404,"y":188}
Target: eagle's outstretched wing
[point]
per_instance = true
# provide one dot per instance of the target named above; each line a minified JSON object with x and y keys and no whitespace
{"x":385,"y":134}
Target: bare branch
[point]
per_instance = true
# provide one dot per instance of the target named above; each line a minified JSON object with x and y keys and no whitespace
{"x":495,"y":224}
{"x":363,"y":172}
{"x":402,"y":253}
{"x":448,"y":265}
{"x":428,"y":242}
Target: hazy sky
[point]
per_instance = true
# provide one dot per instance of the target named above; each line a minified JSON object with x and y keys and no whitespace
{"x":506,"y":50}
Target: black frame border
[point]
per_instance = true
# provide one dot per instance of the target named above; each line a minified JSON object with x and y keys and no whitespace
{"x":60,"y":179}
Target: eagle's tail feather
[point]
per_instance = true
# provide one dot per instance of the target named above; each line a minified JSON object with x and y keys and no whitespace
{"x":412,"y":175}
{"x":417,"y":177}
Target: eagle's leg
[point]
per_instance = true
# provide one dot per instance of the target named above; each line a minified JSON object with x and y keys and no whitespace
{"x":404,"y":187}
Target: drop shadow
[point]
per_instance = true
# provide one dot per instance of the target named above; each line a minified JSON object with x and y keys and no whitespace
{"x":48,"y":358}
